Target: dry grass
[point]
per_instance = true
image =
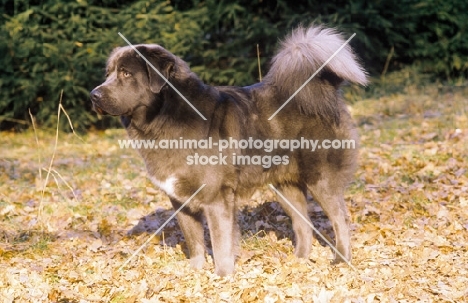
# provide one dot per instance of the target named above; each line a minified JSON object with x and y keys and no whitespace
{"x":408,"y":207}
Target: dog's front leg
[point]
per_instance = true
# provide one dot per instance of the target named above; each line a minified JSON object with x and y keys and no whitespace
{"x":224,"y":231}
{"x":192,"y":228}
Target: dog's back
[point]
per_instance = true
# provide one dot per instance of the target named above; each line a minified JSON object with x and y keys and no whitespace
{"x":157,"y":108}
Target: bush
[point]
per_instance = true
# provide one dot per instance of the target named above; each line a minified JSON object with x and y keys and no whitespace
{"x":64,"y":46}
{"x":50,"y":46}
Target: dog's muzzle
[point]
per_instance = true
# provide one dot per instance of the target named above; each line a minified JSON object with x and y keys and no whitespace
{"x":96,"y":97}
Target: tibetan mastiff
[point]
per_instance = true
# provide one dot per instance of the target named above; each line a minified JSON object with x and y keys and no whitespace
{"x":159,"y":98}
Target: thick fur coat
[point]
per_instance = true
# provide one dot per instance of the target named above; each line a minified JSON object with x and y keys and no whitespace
{"x":151,"y":109}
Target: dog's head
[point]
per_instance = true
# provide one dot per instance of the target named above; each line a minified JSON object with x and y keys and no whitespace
{"x":134,"y":75}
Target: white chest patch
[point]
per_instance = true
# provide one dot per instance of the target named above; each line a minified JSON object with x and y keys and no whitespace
{"x":167,"y":185}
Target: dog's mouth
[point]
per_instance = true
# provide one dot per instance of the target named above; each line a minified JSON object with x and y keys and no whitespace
{"x":102,"y":112}
{"x":99,"y":110}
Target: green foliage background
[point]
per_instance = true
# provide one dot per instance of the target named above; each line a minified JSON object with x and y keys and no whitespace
{"x":49,"y":46}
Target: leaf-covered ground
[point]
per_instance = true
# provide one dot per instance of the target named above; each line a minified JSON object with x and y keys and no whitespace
{"x":408,"y":205}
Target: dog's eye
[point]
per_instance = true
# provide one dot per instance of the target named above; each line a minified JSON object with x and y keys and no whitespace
{"x":126,"y":74}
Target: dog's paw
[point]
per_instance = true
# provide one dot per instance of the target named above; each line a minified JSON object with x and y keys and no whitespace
{"x":226,"y":268}
{"x":339,"y":260}
{"x":197,"y":262}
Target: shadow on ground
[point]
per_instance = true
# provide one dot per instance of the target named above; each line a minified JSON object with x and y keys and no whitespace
{"x":261,"y":220}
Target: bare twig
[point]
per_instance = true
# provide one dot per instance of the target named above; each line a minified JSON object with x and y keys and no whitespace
{"x":13,"y":120}
{"x":70,"y":123}
{"x":258,"y":62}
{"x":64,"y":181}
{"x":387,"y":62}
{"x":41,"y":206}
{"x":37,"y":143}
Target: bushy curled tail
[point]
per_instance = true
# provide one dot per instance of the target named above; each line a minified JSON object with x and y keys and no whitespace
{"x":301,"y":54}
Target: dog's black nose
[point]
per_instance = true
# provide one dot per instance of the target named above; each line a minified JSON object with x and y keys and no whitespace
{"x":95,"y":95}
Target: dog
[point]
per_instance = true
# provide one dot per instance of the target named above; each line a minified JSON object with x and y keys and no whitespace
{"x":175,"y":108}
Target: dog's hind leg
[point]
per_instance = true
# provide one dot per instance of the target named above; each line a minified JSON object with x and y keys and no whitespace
{"x":302,"y":229}
{"x":192,"y":228}
{"x":224,"y":231}
{"x":330,"y":197}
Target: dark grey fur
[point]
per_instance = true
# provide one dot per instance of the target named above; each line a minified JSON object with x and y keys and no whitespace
{"x":150,"y":109}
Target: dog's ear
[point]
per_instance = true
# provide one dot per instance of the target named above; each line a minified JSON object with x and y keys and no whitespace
{"x":156,"y":82}
{"x":161,"y":64}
